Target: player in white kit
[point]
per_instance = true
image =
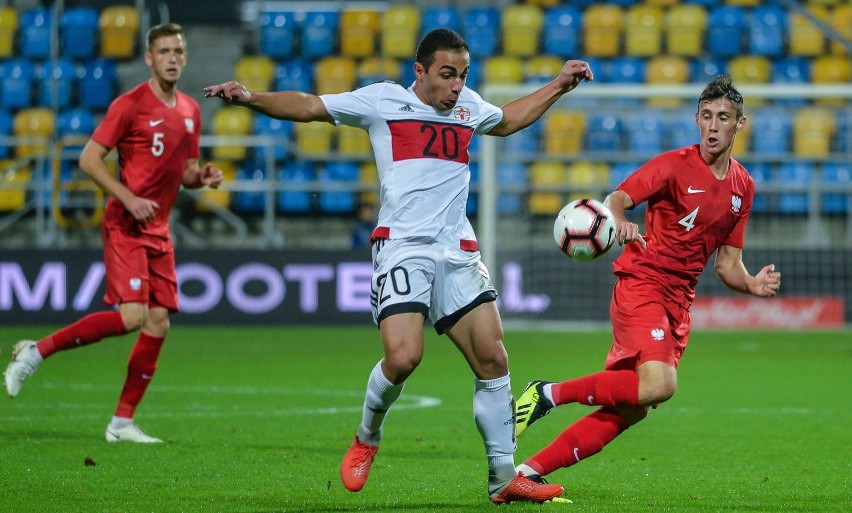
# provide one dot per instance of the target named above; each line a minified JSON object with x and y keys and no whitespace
{"x":424,"y":249}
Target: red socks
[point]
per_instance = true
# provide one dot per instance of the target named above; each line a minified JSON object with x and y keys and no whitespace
{"x":582,"y":439}
{"x":605,"y":388}
{"x":90,"y":328}
{"x":140,"y":369}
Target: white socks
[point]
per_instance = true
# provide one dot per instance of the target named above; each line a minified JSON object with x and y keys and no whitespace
{"x":494,"y":415}
{"x":381,"y":394}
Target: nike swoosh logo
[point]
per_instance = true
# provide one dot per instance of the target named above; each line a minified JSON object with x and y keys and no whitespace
{"x":155,"y":122}
{"x":694,"y":191}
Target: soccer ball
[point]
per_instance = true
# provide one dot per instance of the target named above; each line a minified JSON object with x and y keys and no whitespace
{"x":584,"y":229}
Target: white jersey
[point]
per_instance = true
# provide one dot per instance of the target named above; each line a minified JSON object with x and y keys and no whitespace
{"x":421,"y":155}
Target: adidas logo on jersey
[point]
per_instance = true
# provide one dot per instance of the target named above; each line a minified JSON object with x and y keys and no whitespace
{"x":406,"y":108}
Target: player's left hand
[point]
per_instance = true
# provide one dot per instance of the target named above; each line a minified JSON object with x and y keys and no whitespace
{"x":211,"y":176}
{"x":573,"y":72}
{"x":767,"y":282}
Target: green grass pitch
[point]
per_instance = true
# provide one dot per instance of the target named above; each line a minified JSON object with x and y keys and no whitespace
{"x":257,"y":419}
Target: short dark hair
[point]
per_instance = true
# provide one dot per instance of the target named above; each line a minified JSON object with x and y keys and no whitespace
{"x":166,"y":29}
{"x":722,"y":87}
{"x":438,"y":39}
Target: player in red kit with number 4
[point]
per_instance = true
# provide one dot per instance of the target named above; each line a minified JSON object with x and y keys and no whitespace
{"x":699,"y":200}
{"x":425,"y":254}
{"x":155,"y":129}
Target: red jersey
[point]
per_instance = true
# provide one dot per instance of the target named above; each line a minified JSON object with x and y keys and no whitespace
{"x":154,"y":142}
{"x":690,"y":214}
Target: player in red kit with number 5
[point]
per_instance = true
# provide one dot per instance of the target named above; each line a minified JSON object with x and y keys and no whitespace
{"x":155,"y":129}
{"x":698,"y":203}
{"x":425,"y":254}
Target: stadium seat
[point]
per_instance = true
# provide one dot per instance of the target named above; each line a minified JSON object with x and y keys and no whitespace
{"x":761,"y":173}
{"x":481,"y":26}
{"x":546,"y":174}
{"x":794,"y":174}
{"x":296,"y":174}
{"x":791,"y":70}
{"x":750,"y":69}
{"x":831,"y":69}
{"x":231,"y":121}
{"x":13,"y":182}
{"x":564,"y":132}
{"x":16,"y":83}
{"x":119,"y":29}
{"x":97,"y":83}
{"x":619,"y":171}
{"x":56,"y":81}
{"x":587,"y":180}
{"x":646,"y":132}
{"x":35,"y":126}
{"x":255,"y":72}
{"x":251,"y":202}
{"x":294,"y":75}
{"x":368,"y":175}
{"x":353,"y":142}
{"x":685,"y":28}
{"x":78,"y":123}
{"x":704,"y":69}
{"x":377,"y":69}
{"x":5,"y":131}
{"x":603,"y":133}
{"x":626,"y":70}
{"x":524,"y":142}
{"x":278,"y":34}
{"x":643,"y":30}
{"x":666,"y":70}
{"x":767,"y":31}
{"x":318,"y":35}
{"x":682,"y":129}
{"x":439,"y":16}
{"x":843,"y":135}
{"x":314,"y":139}
{"x":36,"y":27}
{"x":472,"y":205}
{"x":560,"y":34}
{"x":772,"y":129}
{"x":334,"y":74}
{"x":281,"y":131}
{"x":208,"y":199}
{"x":841,"y":21}
{"x":8,"y":30}
{"x":78,"y":29}
{"x":603,"y":26}
{"x":400,"y":27}
{"x":542,"y":68}
{"x":521,"y":29}
{"x":742,"y":142}
{"x":813,"y":130}
{"x":806,"y":39}
{"x":511,"y":175}
{"x":726,"y":31}
{"x":358,"y":31}
{"x":503,"y":69}
{"x":835,"y":174}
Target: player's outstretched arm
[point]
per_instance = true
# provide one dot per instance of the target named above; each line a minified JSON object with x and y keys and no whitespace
{"x":625,"y":231}
{"x":733,"y":273}
{"x":289,"y":105}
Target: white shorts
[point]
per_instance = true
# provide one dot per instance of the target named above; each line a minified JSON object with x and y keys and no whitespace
{"x":437,"y":279}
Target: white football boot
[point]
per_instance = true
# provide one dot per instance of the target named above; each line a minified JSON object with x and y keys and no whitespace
{"x":129,"y":433}
{"x":22,"y":366}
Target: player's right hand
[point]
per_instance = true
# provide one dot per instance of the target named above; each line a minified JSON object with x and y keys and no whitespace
{"x":231,"y":92}
{"x":626,"y":232}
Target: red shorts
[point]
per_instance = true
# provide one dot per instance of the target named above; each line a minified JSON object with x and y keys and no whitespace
{"x":139,"y":269}
{"x":644,"y":327}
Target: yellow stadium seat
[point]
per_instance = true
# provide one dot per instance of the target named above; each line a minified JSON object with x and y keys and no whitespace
{"x":546,"y":174}
{"x":643,"y":30}
{"x":750,"y":69}
{"x":376,"y":69}
{"x":353,"y":142}
{"x":742,"y":142}
{"x":823,"y":2}
{"x":335,"y":74}
{"x":503,"y":69}
{"x":667,"y":69}
{"x":831,"y":69}
{"x":255,"y":72}
{"x":231,"y":121}
{"x":400,"y":29}
{"x":8,"y":29}
{"x":685,"y":27}
{"x":13,"y":180}
{"x":805,"y":39}
{"x":841,"y":21}
{"x":35,"y":126}
{"x":564,"y":131}
{"x":545,"y":3}
{"x":314,"y":139}
{"x":663,"y":3}
{"x":813,"y":128}
{"x":587,"y":180}
{"x":358,"y":30}
{"x":220,"y":197}
{"x":744,"y":3}
{"x":521,"y":29}
{"x":368,"y":174}
{"x":119,"y":28}
{"x":543,"y":68}
{"x":602,"y":29}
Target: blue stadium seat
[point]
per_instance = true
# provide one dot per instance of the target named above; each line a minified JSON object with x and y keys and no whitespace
{"x":512,"y":174}
{"x":79,"y":34}
{"x":626,"y":70}
{"x":318,"y":36}
{"x":704,"y":69}
{"x":682,"y":128}
{"x":771,"y":131}
{"x":277,"y":33}
{"x":407,"y":77}
{"x":296,"y":201}
{"x":482,"y":31}
{"x":280,"y":130}
{"x":561,"y":34}
{"x":523,"y":143}
{"x":441,"y":16}
{"x":794,"y":173}
{"x":36,"y":26}
{"x":619,"y":171}
{"x":646,"y":132}
{"x":761,"y":172}
{"x":473,"y":197}
{"x":16,"y":83}
{"x":56,"y":81}
{"x":843,"y":134}
{"x":5,"y":131}
{"x":76,"y":121}
{"x":767,"y":31}
{"x":603,"y":133}
{"x":835,"y":173}
{"x":726,"y":31}
{"x":338,"y":202}
{"x":791,"y":70}
{"x":98,"y":83}
{"x":294,"y":75}
{"x":250,"y":202}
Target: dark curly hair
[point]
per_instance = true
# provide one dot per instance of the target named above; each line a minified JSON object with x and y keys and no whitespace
{"x":722,"y":87}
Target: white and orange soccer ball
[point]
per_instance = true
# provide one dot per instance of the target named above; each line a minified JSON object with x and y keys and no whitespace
{"x":584,"y":229}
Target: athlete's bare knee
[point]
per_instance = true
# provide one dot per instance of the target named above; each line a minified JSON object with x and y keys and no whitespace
{"x":134,"y":316}
{"x":399,"y":364}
